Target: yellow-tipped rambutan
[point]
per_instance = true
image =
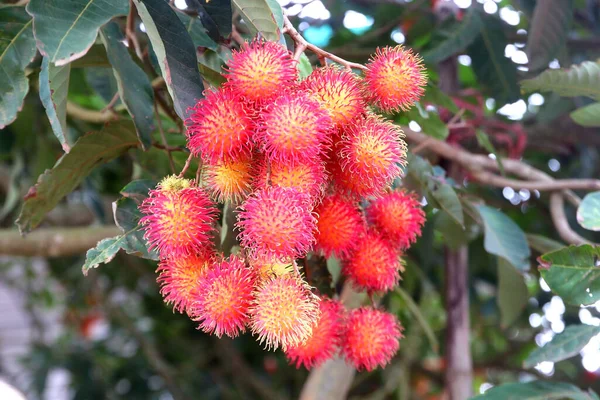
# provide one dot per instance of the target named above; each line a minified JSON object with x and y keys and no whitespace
{"x":340,"y":224}
{"x":339,"y":91}
{"x":374,"y":265}
{"x":371,"y":338}
{"x":294,"y":127}
{"x":178,"y":219}
{"x":261,"y":70}
{"x":325,"y":339}
{"x":270,"y":267}
{"x":223,"y":297}
{"x":395,"y":78}
{"x":398,"y":216}
{"x":220,"y":127}
{"x":277,"y":222}
{"x":284,"y":312}
{"x":230,"y":180}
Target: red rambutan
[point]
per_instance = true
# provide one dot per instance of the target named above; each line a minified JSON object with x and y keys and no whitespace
{"x":284,"y":312}
{"x":178,"y":219}
{"x":374,"y":265}
{"x":395,"y":77}
{"x":371,"y":338}
{"x":398,"y":216}
{"x":277,"y":222}
{"x":340,"y":224}
{"x":220,"y":127}
{"x":230,"y":180}
{"x":223,"y":297}
{"x":326,"y":337}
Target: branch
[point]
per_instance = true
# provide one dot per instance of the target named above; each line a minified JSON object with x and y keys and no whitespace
{"x":96,"y":117}
{"x":559,"y":218}
{"x":53,"y":242}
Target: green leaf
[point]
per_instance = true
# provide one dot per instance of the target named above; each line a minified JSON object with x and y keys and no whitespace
{"x":579,"y":80}
{"x":138,"y":189}
{"x":95,"y":57}
{"x":175,"y":51}
{"x":565,"y":345}
{"x":17,"y":49}
{"x":216,"y":16}
{"x":494,"y":71}
{"x":211,"y":65}
{"x":484,"y":141}
{"x":135,"y":88}
{"x":512,"y":293}
{"x":259,"y":15}
{"x":54,"y":87}
{"x":463,"y":35}
{"x":197,"y":32}
{"x":304,"y":66}
{"x":88,"y":152}
{"x":277,"y":12}
{"x":573,"y":273}
{"x":536,"y":390}
{"x":416,"y":312}
{"x":548,"y":30}
{"x":334,"y":268}
{"x":430,"y":122}
{"x":65,"y":30}
{"x":588,"y":213}
{"x":433,"y":95}
{"x":543,"y":244}
{"x":504,"y":238}
{"x":449,"y":201}
{"x":588,"y":115}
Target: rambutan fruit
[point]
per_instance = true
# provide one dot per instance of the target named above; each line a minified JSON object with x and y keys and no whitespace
{"x":223,"y":297}
{"x":339,"y":91}
{"x":371,"y":338}
{"x":284,"y":312}
{"x":370,"y":153}
{"x":307,"y":177}
{"x":396,"y":78}
{"x":178,"y":218}
{"x":277,"y":222}
{"x":229,"y":180}
{"x":374,"y":265}
{"x":269,"y":267}
{"x":260,"y":70}
{"x":326,"y":337}
{"x":398,"y":216}
{"x":340,"y":224}
{"x":178,"y":278}
{"x":294,"y":127}
{"x":220,"y":127}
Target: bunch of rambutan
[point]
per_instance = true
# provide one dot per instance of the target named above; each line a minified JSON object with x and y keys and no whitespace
{"x":309,"y":166}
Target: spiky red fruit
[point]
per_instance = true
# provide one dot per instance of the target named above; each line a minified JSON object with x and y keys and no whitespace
{"x":326,"y":337}
{"x":284,"y":312}
{"x":294,"y":127}
{"x":339,"y":92}
{"x":371,"y":338}
{"x":399,"y":216}
{"x":371,"y":153}
{"x":270,"y":267}
{"x":374,"y":265}
{"x":220,"y":127}
{"x":261,"y":70}
{"x":178,"y":277}
{"x":339,"y":227}
{"x":178,"y":219}
{"x":307,"y":177}
{"x":277,"y":222}
{"x":230,"y":180}
{"x":223,"y":297}
{"x":396,"y":78}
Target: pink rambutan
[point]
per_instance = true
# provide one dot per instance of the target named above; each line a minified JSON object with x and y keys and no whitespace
{"x":374,"y":265}
{"x":261,"y":70}
{"x":340,"y":225}
{"x":270,"y":267}
{"x":230,"y":180}
{"x":339,"y":92}
{"x":326,"y":337}
{"x":178,"y":278}
{"x":223,"y":297}
{"x":395,"y":77}
{"x":371,"y":153}
{"x":371,"y":338}
{"x":398,"y":216}
{"x":294,"y":127}
{"x":284,"y":312}
{"x":277,"y":222}
{"x":178,"y":219}
{"x":220,"y":127}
